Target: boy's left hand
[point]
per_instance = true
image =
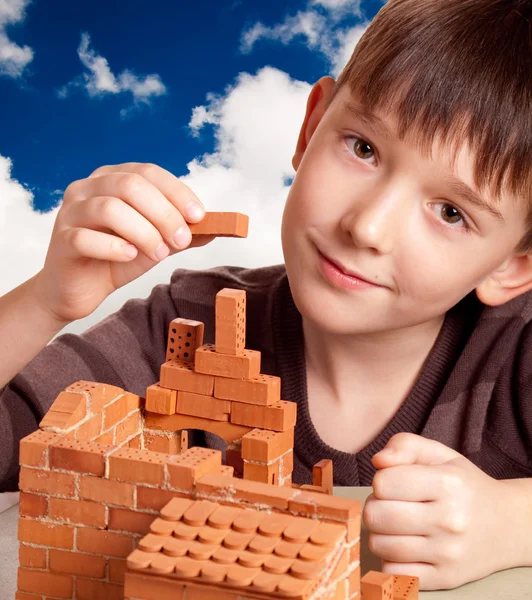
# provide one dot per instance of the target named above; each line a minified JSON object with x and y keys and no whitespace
{"x":433,"y":514}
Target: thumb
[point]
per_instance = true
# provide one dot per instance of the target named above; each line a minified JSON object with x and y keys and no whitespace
{"x":410,"y":449}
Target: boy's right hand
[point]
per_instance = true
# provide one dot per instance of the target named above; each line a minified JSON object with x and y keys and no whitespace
{"x":134,"y":204}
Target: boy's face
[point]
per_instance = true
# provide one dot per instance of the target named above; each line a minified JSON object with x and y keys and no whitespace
{"x":378,"y":207}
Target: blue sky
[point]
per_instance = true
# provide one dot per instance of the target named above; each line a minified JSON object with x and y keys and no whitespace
{"x":193,"y":49}
{"x":214,"y":92}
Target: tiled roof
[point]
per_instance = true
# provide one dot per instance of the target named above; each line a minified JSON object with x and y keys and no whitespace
{"x":206,"y":542}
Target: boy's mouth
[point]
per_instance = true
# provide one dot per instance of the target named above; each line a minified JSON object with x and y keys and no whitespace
{"x":342,"y":276}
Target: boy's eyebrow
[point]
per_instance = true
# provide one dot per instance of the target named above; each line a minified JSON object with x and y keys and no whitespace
{"x":458,"y":186}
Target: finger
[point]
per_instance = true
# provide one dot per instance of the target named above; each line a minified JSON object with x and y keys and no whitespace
{"x":401,"y":548}
{"x":174,"y":189}
{"x":116,"y":217}
{"x":408,"y":448}
{"x":98,"y":245}
{"x":145,"y":198}
{"x":399,"y":518}
{"x":428,"y":574}
{"x":409,"y":483}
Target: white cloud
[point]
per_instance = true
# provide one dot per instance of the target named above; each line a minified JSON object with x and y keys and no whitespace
{"x":323,"y":32}
{"x":13,"y":58}
{"x":100,"y":80}
{"x":255,"y":124}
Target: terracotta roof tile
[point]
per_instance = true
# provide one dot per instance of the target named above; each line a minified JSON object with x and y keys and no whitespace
{"x":279,"y":554}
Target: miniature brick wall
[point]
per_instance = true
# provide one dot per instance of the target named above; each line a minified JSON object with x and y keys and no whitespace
{"x":89,"y":491}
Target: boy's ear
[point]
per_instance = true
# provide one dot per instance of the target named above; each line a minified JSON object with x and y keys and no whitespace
{"x":511,"y":279}
{"x":316,"y":103}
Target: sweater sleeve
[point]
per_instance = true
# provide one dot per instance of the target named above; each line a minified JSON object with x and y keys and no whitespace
{"x":125,"y":349}
{"x":523,"y":405}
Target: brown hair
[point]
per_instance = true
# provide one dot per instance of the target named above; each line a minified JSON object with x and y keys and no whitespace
{"x":459,"y":69}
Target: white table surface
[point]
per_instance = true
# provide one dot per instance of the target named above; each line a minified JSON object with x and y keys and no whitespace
{"x":513,"y":584}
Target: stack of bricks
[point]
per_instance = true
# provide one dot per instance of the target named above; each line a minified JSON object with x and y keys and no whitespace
{"x":219,"y":388}
{"x":89,"y":492}
{"x":243,"y":539}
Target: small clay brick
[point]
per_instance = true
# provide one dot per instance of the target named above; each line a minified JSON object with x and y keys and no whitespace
{"x":322,"y":475}
{"x":117,"y":570}
{"x":45,"y":534}
{"x":108,"y":543}
{"x":92,"y":588}
{"x":108,"y":492}
{"x":160,"y":400}
{"x":153,"y":498}
{"x":405,"y":587}
{"x":287,"y":464}
{"x":230,"y":325}
{"x":135,"y":442}
{"x":107,"y":438}
{"x":180,"y":375}
{"x":376,"y":586}
{"x":219,"y":487}
{"x":79,"y":456}
{"x":115,"y":411}
{"x":353,"y":528}
{"x":206,"y":407}
{"x":263,"y":446}
{"x":222,"y":224}
{"x":34,"y":448}
{"x":166,"y":442}
{"x":280,"y":416}
{"x":24,"y":596}
{"x":71,"y":403}
{"x":184,"y":337}
{"x":300,"y":529}
{"x":184,"y":441}
{"x":47,"y":482}
{"x":33,"y":558}
{"x":78,"y":512}
{"x":131,"y":425}
{"x":354,"y":554}
{"x":263,"y":472}
{"x":340,"y":570}
{"x":42,"y":582}
{"x":244,"y":366}
{"x":137,"y":466}
{"x":121,"y":519}
{"x":139,"y":585}
{"x":185,"y":469}
{"x":354,"y":581}
{"x":90,"y":429}
{"x":227,"y":431}
{"x":98,"y":394}
{"x":323,"y":505}
{"x":174,"y":510}
{"x":233,"y":458}
{"x":227,"y":470}
{"x":264,"y":390}
{"x":77,"y":563}
{"x":32,"y":505}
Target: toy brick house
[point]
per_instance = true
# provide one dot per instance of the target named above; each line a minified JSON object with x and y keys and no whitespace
{"x":114,"y":504}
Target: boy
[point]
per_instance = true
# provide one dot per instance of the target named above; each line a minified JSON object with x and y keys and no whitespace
{"x":417,"y":381}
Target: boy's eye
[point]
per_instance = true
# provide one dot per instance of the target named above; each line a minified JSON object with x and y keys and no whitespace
{"x":361,"y":148}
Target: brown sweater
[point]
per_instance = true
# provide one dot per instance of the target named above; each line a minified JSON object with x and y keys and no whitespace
{"x":474,"y":393}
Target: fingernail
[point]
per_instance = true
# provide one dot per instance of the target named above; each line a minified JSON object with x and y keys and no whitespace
{"x":182,"y":237}
{"x":162,"y":251}
{"x":194,"y":211}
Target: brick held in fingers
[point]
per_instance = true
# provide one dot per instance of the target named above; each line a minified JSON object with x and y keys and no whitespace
{"x":222,"y":224}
